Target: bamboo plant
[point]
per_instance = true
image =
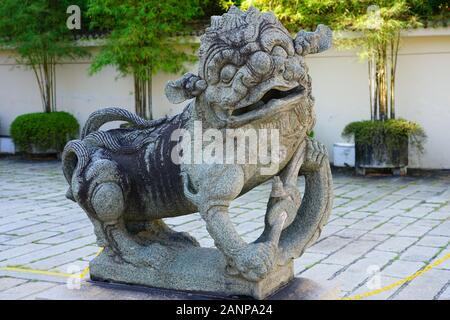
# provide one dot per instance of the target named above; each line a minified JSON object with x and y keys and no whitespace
{"x":141,"y":40}
{"x":378,"y":39}
{"x":37,"y":32}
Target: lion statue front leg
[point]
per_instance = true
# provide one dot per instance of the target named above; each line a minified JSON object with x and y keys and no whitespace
{"x":219,"y":185}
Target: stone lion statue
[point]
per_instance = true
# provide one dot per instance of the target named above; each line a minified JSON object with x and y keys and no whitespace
{"x":251,"y":75}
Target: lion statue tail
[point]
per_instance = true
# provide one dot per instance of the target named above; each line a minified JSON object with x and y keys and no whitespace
{"x":102,"y":116}
{"x":75,"y":157}
{"x":76,"y":154}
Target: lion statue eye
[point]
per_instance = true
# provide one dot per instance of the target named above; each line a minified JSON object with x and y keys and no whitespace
{"x":227,"y":73}
{"x":279,"y":52}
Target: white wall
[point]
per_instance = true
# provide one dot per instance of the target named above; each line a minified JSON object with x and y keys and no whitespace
{"x":340,"y":87}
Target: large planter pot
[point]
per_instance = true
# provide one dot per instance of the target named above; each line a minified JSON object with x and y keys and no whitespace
{"x":381,"y":157}
{"x":36,"y":151}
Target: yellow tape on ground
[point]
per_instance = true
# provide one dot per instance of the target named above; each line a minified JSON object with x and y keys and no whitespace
{"x":43,"y":272}
{"x":51,"y":273}
{"x":399,"y":282}
{"x":355,"y":297}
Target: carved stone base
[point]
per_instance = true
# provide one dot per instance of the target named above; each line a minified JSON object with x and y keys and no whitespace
{"x":191,"y":269}
{"x":297,"y":289}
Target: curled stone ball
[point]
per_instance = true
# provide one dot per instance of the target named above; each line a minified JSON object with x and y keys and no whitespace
{"x":261,"y":63}
{"x":107,"y":201}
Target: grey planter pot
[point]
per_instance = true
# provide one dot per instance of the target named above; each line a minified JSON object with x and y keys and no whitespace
{"x":379,"y":157}
{"x":37,"y":152}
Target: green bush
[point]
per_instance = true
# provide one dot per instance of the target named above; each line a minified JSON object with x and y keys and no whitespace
{"x":44,"y":130}
{"x":390,"y":132}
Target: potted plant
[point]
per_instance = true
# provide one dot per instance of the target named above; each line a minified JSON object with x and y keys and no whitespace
{"x":384,"y":144}
{"x":44,"y":133}
{"x":382,"y":141}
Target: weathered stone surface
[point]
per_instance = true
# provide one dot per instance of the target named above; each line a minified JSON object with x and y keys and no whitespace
{"x":252,"y":76}
{"x":192,"y":269}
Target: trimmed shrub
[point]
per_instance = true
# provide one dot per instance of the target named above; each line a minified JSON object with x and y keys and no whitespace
{"x":390,"y":133}
{"x":45,"y":131}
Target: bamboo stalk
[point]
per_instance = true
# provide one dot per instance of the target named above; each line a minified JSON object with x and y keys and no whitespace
{"x":383,"y":83}
{"x":41,"y":90}
{"x":394,"y":56}
{"x":136,"y":94}
{"x":47,"y":84}
{"x":41,"y":77}
{"x":377,"y":92}
{"x":369,"y":63}
{"x":144,"y":98}
{"x":150,"y":94}
{"x":54,"y":84}
{"x":51,"y":84}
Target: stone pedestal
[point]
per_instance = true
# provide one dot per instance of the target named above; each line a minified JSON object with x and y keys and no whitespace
{"x":192,"y":269}
{"x":297,"y":289}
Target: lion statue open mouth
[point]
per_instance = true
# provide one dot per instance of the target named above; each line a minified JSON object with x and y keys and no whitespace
{"x":252,"y":75}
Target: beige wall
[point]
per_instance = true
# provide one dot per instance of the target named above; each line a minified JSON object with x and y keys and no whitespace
{"x":77,"y":92}
{"x":423,"y":93}
{"x":339,"y":85}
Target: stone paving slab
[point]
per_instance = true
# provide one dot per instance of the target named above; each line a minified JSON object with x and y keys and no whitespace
{"x":393,"y":225}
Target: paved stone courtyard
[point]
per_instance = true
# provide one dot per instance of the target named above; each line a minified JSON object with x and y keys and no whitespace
{"x":382,"y":230}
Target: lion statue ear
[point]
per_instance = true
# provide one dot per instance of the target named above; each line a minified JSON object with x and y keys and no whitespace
{"x":313,"y":42}
{"x":187,"y":87}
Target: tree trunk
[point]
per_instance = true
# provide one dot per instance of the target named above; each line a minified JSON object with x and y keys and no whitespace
{"x":383,"y":82}
{"x":394,"y":54}
{"x":371,"y":98}
{"x":150,"y":95}
{"x":137,"y":96}
{"x":377,"y":92}
{"x":143,"y":97}
{"x":45,"y":74}
{"x":53,"y":77}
